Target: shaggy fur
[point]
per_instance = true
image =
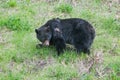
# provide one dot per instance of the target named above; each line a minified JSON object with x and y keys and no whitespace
{"x":74,"y":31}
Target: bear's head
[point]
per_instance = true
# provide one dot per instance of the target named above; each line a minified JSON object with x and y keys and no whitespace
{"x":46,"y":32}
{"x":44,"y":35}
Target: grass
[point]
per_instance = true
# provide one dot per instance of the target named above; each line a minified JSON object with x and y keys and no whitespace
{"x":17,"y":23}
{"x":12,"y":3}
{"x":21,"y":60}
{"x":64,"y":8}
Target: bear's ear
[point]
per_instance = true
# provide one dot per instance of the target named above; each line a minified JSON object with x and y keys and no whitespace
{"x":58,"y":20}
{"x":36,"y":31}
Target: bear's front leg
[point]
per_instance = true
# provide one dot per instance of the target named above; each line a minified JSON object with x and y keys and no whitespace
{"x":59,"y":41}
{"x":60,"y":45}
{"x":38,"y":46}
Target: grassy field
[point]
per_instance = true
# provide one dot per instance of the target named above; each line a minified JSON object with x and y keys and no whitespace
{"x":20,"y":60}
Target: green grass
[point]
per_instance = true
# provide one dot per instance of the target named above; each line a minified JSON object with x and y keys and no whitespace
{"x":17,"y":23}
{"x":64,"y":8}
{"x":21,"y":60}
{"x":111,"y":24}
{"x":12,"y":3}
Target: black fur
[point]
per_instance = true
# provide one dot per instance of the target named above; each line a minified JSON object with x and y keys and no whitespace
{"x":74,"y":31}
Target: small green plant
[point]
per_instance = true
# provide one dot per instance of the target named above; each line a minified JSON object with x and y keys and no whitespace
{"x":16,"y":22}
{"x":61,"y":73}
{"x":2,"y":21}
{"x":115,"y":71}
{"x":12,"y":76}
{"x":28,"y":1}
{"x":12,"y":3}
{"x":87,"y":14}
{"x":110,"y":24}
{"x":98,"y":1}
{"x":64,"y":8}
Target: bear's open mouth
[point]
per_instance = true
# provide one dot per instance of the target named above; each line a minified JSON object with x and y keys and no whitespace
{"x":46,"y":43}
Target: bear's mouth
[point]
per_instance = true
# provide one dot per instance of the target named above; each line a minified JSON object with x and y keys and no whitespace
{"x":46,"y":43}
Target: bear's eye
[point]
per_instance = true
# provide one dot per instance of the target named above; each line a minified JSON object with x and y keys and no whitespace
{"x":47,"y":29}
{"x":39,"y":33}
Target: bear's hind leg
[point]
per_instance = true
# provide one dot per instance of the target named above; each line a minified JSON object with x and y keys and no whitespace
{"x":87,"y":51}
{"x":78,"y":48}
{"x":81,"y":48}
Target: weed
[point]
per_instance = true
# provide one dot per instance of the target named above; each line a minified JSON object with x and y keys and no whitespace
{"x":2,"y":21}
{"x":64,"y":8}
{"x":110,"y":24}
{"x":116,"y":70}
{"x":61,"y":73}
{"x":12,"y":76}
{"x":97,"y":1}
{"x":87,"y":14}
{"x":12,"y":3}
{"x":16,"y":22}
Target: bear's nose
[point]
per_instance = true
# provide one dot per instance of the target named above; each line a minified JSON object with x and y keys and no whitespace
{"x":46,"y":43}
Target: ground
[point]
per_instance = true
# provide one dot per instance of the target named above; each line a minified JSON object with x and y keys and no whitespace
{"x":20,"y":60}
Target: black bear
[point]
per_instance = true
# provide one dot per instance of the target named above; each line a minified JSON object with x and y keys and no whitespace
{"x":74,"y":31}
